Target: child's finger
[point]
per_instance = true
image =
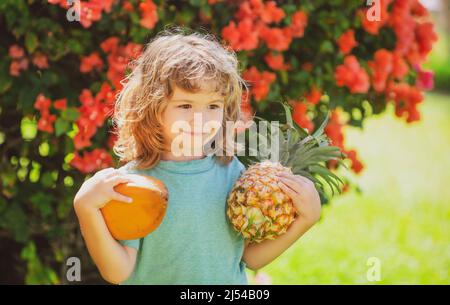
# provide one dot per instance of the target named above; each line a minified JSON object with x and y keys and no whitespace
{"x":119,"y":197}
{"x":291,"y":193}
{"x":292,"y":183}
{"x":302,"y":179}
{"x":117,"y":180}
{"x":297,"y":178}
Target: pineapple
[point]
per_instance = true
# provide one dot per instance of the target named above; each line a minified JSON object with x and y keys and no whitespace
{"x":256,"y":206}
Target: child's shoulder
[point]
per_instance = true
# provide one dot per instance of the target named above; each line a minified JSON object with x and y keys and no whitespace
{"x":234,"y":169}
{"x":233,"y":165}
{"x":237,"y":165}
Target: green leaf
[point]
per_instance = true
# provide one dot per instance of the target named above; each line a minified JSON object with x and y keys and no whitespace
{"x":326,"y":47}
{"x":5,"y":80}
{"x":31,"y":42}
{"x":196,"y":3}
{"x":320,"y":130}
{"x":70,"y":114}
{"x":15,"y":220}
{"x":42,"y":202}
{"x":47,"y":179}
{"x":75,"y":46}
{"x":28,"y":128}
{"x":61,"y":126}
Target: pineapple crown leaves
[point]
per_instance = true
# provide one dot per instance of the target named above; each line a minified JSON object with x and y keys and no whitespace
{"x":306,"y":154}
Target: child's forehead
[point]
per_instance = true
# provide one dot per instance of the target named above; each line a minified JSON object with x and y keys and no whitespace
{"x":204,"y":94}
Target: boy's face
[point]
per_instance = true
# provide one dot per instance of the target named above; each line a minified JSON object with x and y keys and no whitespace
{"x":193,"y":119}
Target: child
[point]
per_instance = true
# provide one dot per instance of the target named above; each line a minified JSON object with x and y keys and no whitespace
{"x":180,"y":78}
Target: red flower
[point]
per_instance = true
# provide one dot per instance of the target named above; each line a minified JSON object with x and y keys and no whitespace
{"x":92,"y":109}
{"x":271,"y":13}
{"x":89,"y":12}
{"x":256,"y":9}
{"x":381,"y":67}
{"x":300,"y":117}
{"x":417,"y":9}
{"x":127,"y":6}
{"x":425,"y":38}
{"x":276,"y":39}
{"x":260,"y":82}
{"x":106,"y":4}
{"x":357,"y":166}
{"x":91,"y":161}
{"x":94,"y":112}
{"x":314,"y":95}
{"x":105,"y":94}
{"x":370,"y":23}
{"x":149,"y":14}
{"x":241,"y":37}
{"x":425,"y":79}
{"x":414,"y":38}
{"x":107,"y":97}
{"x":16,"y":52}
{"x":86,"y":130}
{"x":60,"y":104}
{"x":406,"y":98}
{"x":112,"y":140}
{"x":345,"y":188}
{"x":352,"y":75}
{"x":276,"y":62}
{"x":18,"y":65}
{"x":40,"y":61}
{"x":118,"y":58}
{"x":249,"y":10}
{"x":62,"y":3}
{"x":45,"y":122}
{"x":299,"y":20}
{"x":399,"y":66}
{"x":347,"y":42}
{"x":90,"y":62}
{"x":14,"y":68}
{"x":334,"y":130}
{"x":110,"y":45}
{"x":132,"y":50}
{"x":42,"y":103}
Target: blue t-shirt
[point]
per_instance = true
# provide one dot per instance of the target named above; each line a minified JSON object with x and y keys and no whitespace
{"x":195,"y":243}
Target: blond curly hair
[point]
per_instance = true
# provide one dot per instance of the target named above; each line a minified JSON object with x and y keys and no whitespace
{"x":172,"y":57}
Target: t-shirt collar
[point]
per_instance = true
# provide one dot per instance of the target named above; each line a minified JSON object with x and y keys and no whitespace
{"x":192,"y":166}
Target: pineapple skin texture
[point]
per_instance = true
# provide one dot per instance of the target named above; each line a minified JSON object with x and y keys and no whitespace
{"x":257,"y":207}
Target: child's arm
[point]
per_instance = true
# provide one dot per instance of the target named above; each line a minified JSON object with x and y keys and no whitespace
{"x":307,"y":202}
{"x":114,"y":261}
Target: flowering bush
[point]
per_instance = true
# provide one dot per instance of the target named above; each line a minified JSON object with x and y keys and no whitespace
{"x":62,"y":63}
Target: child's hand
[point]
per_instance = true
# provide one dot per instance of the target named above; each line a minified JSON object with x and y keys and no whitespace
{"x":304,"y":196}
{"x":99,"y":189}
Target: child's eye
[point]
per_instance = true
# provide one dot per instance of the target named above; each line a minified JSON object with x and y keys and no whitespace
{"x":214,"y":106}
{"x":185,"y":106}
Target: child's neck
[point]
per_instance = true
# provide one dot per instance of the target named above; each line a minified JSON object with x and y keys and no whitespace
{"x":168,"y":156}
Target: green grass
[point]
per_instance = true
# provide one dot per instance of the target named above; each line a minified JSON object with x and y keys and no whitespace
{"x":401,"y":217}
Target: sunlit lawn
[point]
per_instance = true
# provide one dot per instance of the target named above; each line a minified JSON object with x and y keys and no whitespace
{"x":402,"y":216}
